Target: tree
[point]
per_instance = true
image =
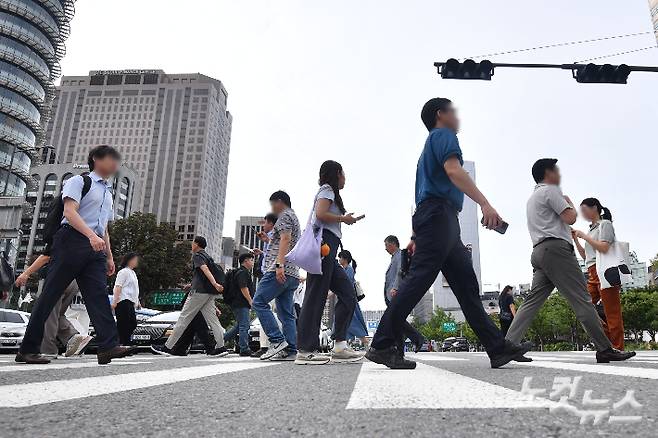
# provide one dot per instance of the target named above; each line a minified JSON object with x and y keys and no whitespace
{"x":433,"y":329}
{"x":165,"y":263}
{"x":640,"y":312}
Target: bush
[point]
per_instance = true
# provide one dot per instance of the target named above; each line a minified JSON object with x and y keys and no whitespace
{"x":559,"y":346}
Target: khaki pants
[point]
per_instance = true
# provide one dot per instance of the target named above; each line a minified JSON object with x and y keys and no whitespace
{"x":57,"y":326}
{"x":198,"y":302}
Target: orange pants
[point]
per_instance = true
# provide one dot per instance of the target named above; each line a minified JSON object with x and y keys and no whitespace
{"x":614,"y":325}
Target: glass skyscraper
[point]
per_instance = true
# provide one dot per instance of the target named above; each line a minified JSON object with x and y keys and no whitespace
{"x":32,"y":35}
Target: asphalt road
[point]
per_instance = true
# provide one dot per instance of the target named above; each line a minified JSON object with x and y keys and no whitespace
{"x":449,"y":394}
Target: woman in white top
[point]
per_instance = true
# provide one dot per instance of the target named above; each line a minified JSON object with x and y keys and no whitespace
{"x":126,"y":298}
{"x":599,"y":238}
{"x":330,"y":212}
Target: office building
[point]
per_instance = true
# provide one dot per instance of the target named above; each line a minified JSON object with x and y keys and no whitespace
{"x":470,"y":228}
{"x":49,"y":178}
{"x":425,"y":308}
{"x":32,"y":36}
{"x":639,"y":273}
{"x":246,"y":229}
{"x":174,"y":130}
{"x":372,"y":318}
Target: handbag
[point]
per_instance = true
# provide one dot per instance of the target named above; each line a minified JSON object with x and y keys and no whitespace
{"x":612,"y":266}
{"x":360,"y":294}
{"x":306,"y":253}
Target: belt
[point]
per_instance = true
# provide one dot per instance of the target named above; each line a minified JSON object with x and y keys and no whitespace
{"x":548,"y":239}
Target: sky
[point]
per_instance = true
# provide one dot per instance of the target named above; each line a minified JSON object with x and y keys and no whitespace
{"x":345,"y":80}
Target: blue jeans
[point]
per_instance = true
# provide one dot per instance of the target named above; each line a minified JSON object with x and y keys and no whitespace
{"x":241,"y":326}
{"x":270,"y":289}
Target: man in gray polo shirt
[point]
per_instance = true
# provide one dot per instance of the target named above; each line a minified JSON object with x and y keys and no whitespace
{"x":550,"y":215}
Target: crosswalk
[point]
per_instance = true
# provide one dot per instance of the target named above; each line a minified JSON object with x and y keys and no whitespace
{"x":440,"y":380}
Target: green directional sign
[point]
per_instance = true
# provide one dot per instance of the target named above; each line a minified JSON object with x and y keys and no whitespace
{"x":449,"y":326}
{"x":167,"y":297}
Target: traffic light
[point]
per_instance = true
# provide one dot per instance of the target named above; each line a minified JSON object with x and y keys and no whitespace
{"x":602,"y":74}
{"x":469,"y":69}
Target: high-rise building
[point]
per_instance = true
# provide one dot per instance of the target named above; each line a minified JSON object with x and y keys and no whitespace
{"x":470,"y":226}
{"x":245,"y":233}
{"x":424,"y":310}
{"x":49,"y":178}
{"x":174,"y":130}
{"x":32,"y":36}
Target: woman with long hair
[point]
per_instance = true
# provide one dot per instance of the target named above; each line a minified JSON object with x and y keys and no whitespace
{"x":330,"y":213}
{"x":126,"y":297}
{"x":357,"y":328}
{"x":599,"y":238}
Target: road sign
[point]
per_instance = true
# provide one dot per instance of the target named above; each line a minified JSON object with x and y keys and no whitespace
{"x":373,"y":325}
{"x":449,"y":326}
{"x":167,"y":297}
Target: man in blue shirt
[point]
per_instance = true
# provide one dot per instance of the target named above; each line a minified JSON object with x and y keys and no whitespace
{"x":436,"y":245}
{"x":81,"y":251}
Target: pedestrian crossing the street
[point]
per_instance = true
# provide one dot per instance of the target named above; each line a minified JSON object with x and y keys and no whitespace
{"x":440,"y":381}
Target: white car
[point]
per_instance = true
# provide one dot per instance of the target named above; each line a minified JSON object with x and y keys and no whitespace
{"x":12,"y":328}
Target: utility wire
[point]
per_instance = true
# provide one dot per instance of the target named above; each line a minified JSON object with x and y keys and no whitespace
{"x":569,"y":43}
{"x":616,"y":54}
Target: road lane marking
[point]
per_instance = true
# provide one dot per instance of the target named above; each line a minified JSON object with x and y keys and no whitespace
{"x":428,"y":387}
{"x":38,"y":393}
{"x":424,"y":357}
{"x":609,"y":369}
{"x":62,"y":366}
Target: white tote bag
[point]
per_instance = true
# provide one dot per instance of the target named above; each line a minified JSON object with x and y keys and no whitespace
{"x":307,"y":252}
{"x":612,"y":267}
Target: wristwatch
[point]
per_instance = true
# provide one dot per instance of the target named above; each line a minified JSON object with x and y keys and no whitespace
{"x":278,"y":265}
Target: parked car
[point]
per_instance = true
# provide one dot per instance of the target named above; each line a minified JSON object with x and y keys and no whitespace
{"x":455,"y":344}
{"x":12,"y":328}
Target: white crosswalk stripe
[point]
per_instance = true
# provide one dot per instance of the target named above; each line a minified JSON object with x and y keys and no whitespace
{"x":63,"y":366}
{"x":428,"y":387}
{"x":613,"y":370}
{"x":38,"y":393}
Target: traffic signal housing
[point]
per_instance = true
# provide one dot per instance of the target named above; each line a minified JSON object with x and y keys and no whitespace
{"x":469,"y":69}
{"x":602,"y":74}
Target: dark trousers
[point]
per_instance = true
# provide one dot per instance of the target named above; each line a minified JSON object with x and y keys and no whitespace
{"x":198,"y":327}
{"x":504,"y":325}
{"x":438,"y":249}
{"x":126,"y":321}
{"x":317,"y":287}
{"x":408,"y":330}
{"x":73,"y":258}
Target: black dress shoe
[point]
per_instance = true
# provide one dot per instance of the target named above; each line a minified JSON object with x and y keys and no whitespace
{"x":523,"y":359}
{"x":105,"y":357}
{"x":390,"y":357}
{"x":509,"y":353}
{"x":613,"y":355}
{"x":31,"y":358}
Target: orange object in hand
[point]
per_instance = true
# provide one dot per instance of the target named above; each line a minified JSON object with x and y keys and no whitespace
{"x":324,"y":250}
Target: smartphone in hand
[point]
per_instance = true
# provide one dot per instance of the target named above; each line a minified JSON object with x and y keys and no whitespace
{"x":358,"y":218}
{"x":501,"y":228}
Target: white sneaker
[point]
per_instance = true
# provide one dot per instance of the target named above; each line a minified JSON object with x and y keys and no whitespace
{"x":50,"y":356}
{"x":76,"y":345}
{"x":313,"y":358}
{"x":274,"y":349}
{"x":346,"y":355}
{"x":282,"y":355}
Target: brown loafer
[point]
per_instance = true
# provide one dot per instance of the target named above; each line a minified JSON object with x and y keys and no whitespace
{"x":105,"y":357}
{"x":31,"y":358}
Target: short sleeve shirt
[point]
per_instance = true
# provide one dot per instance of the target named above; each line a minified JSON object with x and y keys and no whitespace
{"x":287,"y":222}
{"x":543,"y":214}
{"x":243,"y":279}
{"x":199,"y":280}
{"x":96,"y":208}
{"x":431,"y":178}
{"x":127,"y":279}
{"x":603,"y":231}
{"x":326,"y":192}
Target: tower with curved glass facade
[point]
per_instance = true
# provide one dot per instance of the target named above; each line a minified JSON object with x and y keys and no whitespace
{"x":32,"y":36}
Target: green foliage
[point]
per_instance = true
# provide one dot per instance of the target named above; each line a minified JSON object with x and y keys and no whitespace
{"x":640,"y":311}
{"x":165,"y":263}
{"x":433,"y":329}
{"x":556,"y":322}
